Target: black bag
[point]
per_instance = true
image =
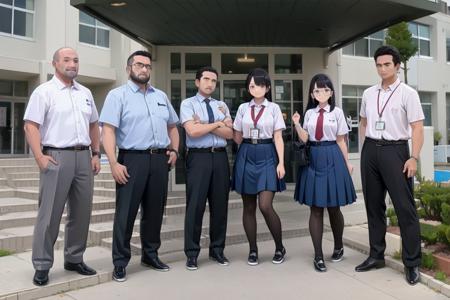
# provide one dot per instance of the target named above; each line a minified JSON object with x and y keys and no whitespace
{"x":301,"y":153}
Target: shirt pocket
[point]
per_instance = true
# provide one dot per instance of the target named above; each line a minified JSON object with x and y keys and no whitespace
{"x":162,"y":111}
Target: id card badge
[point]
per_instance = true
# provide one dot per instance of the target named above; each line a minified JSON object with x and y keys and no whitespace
{"x":380,"y":125}
{"x":254,"y":135}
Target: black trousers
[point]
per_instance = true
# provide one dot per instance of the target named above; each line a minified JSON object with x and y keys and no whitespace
{"x":147,"y":188}
{"x":381,"y":171}
{"x":207,"y":177}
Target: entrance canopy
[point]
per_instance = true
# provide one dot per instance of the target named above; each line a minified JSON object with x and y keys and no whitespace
{"x":292,"y":23}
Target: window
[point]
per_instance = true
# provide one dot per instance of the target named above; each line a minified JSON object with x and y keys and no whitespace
{"x":195,"y":61}
{"x":288,"y":63}
{"x":13,"y":88}
{"x":427,"y":107}
{"x":421,"y":37}
{"x":448,"y":117}
{"x":366,"y":46}
{"x":17,"y":17}
{"x":175,"y":63}
{"x":448,"y":49}
{"x":92,"y":31}
{"x":351,"y":105}
{"x":242,"y":63}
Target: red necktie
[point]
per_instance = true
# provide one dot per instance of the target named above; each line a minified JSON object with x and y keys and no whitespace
{"x":319,"y":125}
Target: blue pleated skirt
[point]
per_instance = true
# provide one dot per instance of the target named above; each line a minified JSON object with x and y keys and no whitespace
{"x":326,"y":181}
{"x":255,"y":170}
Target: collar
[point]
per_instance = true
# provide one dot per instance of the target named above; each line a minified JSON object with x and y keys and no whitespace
{"x":391,"y":87}
{"x":135,"y":88}
{"x":265,"y":103}
{"x":326,"y":108}
{"x":60,"y":85}
{"x":200,"y":98}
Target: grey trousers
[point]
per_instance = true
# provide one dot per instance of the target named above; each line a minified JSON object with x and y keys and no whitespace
{"x":71,"y":181}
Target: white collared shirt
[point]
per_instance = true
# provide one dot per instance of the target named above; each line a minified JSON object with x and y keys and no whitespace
{"x":270,"y":121}
{"x":402,"y":109}
{"x":334,"y":123}
{"x":63,"y":113}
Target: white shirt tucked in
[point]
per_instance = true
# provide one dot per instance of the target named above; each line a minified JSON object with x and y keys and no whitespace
{"x":334,"y":123}
{"x":402,"y":109}
{"x":63,"y":113}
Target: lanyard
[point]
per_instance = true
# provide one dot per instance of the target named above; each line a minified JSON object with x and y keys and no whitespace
{"x":384,"y":106}
{"x":258,"y":116}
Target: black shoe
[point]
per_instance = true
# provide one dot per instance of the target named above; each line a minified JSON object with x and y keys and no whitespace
{"x":319,"y":264}
{"x":40,"y":277}
{"x":370,"y":263}
{"x":338,"y":254}
{"x":220,"y":259}
{"x":278,"y":257}
{"x":191,"y":263}
{"x":155,"y":263}
{"x":80,"y":268}
{"x":412,"y":275}
{"x":119,"y":274}
{"x":252,"y":258}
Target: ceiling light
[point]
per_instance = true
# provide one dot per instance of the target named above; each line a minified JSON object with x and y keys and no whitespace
{"x":118,"y":4}
{"x":245,"y":59}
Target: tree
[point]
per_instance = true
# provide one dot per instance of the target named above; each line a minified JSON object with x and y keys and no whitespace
{"x":401,"y":38}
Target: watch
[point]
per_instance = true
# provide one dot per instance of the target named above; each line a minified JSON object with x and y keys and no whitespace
{"x":97,"y":153}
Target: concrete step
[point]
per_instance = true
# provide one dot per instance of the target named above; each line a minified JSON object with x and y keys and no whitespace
{"x":21,"y":175}
{"x":20,"y":168}
{"x":4,"y":162}
{"x":6,"y":192}
{"x":105,"y":183}
{"x":11,"y":205}
{"x":20,"y":239}
{"x":235,"y":235}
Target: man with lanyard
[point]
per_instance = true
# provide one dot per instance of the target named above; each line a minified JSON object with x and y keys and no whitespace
{"x":140,"y":120}
{"x":62,"y":117}
{"x":388,"y":111}
{"x":208,"y":124}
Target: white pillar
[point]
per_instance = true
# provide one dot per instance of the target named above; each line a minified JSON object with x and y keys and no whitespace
{"x":427,"y":154}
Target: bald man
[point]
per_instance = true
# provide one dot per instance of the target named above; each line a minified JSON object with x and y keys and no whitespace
{"x":61,"y":127}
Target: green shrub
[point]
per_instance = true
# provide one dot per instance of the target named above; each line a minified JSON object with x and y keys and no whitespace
{"x":390,"y":212}
{"x":428,"y":261}
{"x":421,"y":213}
{"x":440,"y":276}
{"x":393,"y":221}
{"x":445,"y":213}
{"x":431,"y":197}
{"x":429,"y":233}
{"x":4,"y":252}
{"x":397,"y":255}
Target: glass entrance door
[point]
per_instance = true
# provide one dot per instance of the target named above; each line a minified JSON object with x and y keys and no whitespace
{"x":288,"y":94}
{"x":12,"y":136}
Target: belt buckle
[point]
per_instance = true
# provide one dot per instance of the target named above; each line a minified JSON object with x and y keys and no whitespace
{"x":152,"y":151}
{"x":77,"y":148}
{"x":254,"y":141}
{"x":213,"y":149}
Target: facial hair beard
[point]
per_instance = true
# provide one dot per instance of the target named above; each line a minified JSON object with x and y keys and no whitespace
{"x":139,"y":80}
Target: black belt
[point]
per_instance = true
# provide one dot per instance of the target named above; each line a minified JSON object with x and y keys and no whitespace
{"x":257,"y":141}
{"x":73,"y":148}
{"x":386,"y":142}
{"x":207,"y":150}
{"x":323,"y":143}
{"x":146,"y":151}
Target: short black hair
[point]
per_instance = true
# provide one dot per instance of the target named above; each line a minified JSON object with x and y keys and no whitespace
{"x":138,"y":53}
{"x":321,"y":81}
{"x":261,"y":78}
{"x":388,"y":50}
{"x":199,"y":73}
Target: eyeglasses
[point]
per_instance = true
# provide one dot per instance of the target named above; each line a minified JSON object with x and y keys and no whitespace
{"x":321,"y":91}
{"x":141,"y":66}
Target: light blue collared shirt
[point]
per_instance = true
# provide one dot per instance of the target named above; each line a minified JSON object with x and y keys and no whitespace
{"x":140,"y":119}
{"x":197,"y":106}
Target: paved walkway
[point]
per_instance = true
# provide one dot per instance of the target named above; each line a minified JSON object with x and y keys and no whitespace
{"x":294,"y":279}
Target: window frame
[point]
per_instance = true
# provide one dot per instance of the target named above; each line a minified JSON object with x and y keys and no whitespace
{"x":96,"y":27}
{"x":419,"y":38}
{"x":13,"y":8}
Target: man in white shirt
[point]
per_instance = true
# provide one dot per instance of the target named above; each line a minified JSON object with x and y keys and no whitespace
{"x":391,"y":114}
{"x":61,"y":124}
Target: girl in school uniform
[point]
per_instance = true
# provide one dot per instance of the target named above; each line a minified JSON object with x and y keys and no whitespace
{"x":259,"y":166}
{"x":326,"y":182}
